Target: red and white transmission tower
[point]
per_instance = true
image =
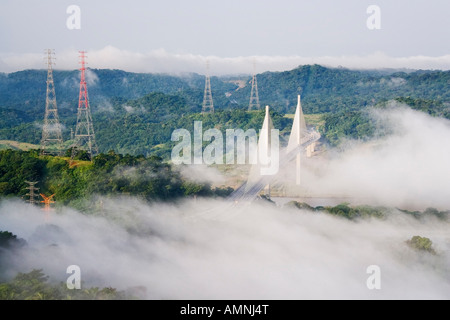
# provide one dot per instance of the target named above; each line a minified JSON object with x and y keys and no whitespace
{"x":84,"y":131}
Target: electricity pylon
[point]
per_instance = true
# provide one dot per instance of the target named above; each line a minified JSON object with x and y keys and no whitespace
{"x":31,"y":187}
{"x":254,"y":96}
{"x":47,"y":201}
{"x":51,"y":130}
{"x":84,"y":130}
{"x":208,"y":105}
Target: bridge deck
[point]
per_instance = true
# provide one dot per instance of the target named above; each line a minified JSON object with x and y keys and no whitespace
{"x":248,"y":192}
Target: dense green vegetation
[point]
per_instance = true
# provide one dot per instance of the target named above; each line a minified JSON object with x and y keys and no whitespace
{"x":25,"y":90}
{"x":338,"y":89}
{"x":322,"y":89}
{"x":34,"y":285}
{"x":434,"y":107}
{"x":141,"y":132}
{"x":9,"y":241}
{"x":109,"y":174}
{"x":145,"y":125}
{"x":421,"y":244}
{"x":24,"y":87}
{"x":346,"y":211}
{"x":348,"y":124}
{"x":136,"y":113}
{"x":358,"y":124}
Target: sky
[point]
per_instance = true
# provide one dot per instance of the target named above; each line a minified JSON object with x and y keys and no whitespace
{"x":179,"y":36}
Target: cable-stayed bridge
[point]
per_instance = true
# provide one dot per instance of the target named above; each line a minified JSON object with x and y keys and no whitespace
{"x":301,"y":138}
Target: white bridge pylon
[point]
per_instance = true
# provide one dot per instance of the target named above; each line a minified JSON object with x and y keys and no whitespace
{"x":300,"y":139}
{"x":298,"y":132}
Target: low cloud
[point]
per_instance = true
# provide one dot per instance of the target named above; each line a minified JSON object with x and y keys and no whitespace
{"x":104,"y":105}
{"x":201,"y":173}
{"x":51,"y":127}
{"x":161,"y":61}
{"x":91,"y":78}
{"x":128,"y":109}
{"x":244,"y":252}
{"x":71,"y":82}
{"x":406,"y":166}
{"x":211,"y":249}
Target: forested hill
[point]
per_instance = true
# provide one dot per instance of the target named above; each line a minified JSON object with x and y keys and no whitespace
{"x":322,"y":89}
{"x":135,"y":113}
{"x":330,"y":90}
{"x":24,"y":91}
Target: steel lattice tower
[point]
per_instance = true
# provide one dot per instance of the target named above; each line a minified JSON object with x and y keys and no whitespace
{"x":84,"y":130}
{"x":47,"y":201}
{"x":33,"y":189}
{"x":51,"y":130}
{"x":254,"y":96}
{"x":208,"y":105}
